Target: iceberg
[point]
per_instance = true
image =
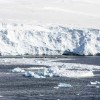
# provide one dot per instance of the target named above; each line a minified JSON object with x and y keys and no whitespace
{"x":18,"y":70}
{"x":32,"y":74}
{"x":95,"y":83}
{"x":58,"y":72}
{"x":64,"y":85}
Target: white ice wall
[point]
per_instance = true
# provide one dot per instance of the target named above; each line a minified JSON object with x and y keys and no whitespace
{"x":19,"y":39}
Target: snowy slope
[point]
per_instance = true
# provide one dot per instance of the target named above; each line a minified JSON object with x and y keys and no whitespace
{"x":20,"y":39}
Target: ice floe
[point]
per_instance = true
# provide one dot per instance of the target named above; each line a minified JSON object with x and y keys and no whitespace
{"x":64,"y":85}
{"x":18,"y":70}
{"x":95,"y":83}
{"x":54,"y":69}
{"x":32,"y":74}
{"x":57,"y":72}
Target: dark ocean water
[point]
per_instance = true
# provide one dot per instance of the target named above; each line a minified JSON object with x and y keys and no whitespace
{"x":91,"y":60}
{"x":14,"y":86}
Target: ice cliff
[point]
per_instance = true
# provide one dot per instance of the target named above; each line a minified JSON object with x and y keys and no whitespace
{"x":20,"y":39}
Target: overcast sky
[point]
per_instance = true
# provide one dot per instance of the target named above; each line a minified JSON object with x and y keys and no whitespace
{"x":85,"y":13}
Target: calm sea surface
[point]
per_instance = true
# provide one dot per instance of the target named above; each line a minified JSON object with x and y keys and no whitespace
{"x":14,"y":86}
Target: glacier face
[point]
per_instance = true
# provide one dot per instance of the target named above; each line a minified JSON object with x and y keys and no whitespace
{"x":20,"y":39}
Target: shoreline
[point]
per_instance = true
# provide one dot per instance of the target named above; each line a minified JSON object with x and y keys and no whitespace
{"x":46,"y":56}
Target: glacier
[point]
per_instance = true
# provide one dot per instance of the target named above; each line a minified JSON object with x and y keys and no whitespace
{"x":28,"y":39}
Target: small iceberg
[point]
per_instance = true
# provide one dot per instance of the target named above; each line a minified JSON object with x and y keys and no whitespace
{"x":64,"y":85}
{"x":95,"y":83}
{"x":18,"y":70}
{"x":45,"y":72}
{"x":28,"y":74}
{"x":32,"y":74}
{"x":56,"y":71}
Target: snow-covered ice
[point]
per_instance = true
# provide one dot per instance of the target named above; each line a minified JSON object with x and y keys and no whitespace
{"x":18,"y":70}
{"x":29,"y":74}
{"x":95,"y":83}
{"x":1,"y":96}
{"x":64,"y":85}
{"x":32,"y":74}
{"x":61,"y":73}
{"x":54,"y":69}
{"x":48,"y":40}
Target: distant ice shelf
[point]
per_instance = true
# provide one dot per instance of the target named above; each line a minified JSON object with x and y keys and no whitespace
{"x":20,"y":39}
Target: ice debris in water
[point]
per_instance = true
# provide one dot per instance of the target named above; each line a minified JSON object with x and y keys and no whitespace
{"x":45,"y":72}
{"x":56,"y":71}
{"x":63,"y":72}
{"x":47,"y":38}
{"x":41,"y":73}
{"x":37,"y":62}
{"x":18,"y":70}
{"x":64,"y":85}
{"x":29,"y":74}
{"x":94,"y":83}
{"x":97,"y":86}
{"x":32,"y":74}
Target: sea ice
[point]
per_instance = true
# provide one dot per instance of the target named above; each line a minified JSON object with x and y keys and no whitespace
{"x":95,"y":83}
{"x":64,"y":85}
{"x":32,"y":74}
{"x":58,"y":72}
{"x":18,"y":70}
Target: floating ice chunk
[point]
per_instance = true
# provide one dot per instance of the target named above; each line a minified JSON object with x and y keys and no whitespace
{"x":29,"y":74}
{"x":57,"y":71}
{"x":98,"y":82}
{"x":62,"y":72}
{"x":94,"y":83}
{"x":49,"y":72}
{"x":97,"y":86}
{"x":64,"y":85}
{"x":32,"y":74}
{"x":18,"y":70}
{"x":41,"y":95}
{"x":37,"y":76}
{"x":38,"y":62}
{"x":56,"y":87}
{"x":41,"y":73}
{"x":63,"y":66}
{"x":1,"y":96}
{"x":54,"y":71}
{"x":78,"y":73}
{"x":78,"y":94}
{"x":44,"y":72}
